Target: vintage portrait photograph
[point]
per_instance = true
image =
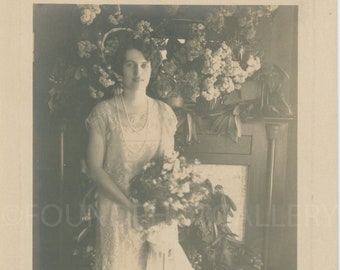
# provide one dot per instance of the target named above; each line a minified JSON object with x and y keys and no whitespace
{"x":169,"y":135}
{"x":165,"y":137}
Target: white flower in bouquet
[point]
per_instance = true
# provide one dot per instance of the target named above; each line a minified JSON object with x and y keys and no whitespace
{"x":185,"y":188}
{"x":196,"y":178}
{"x":176,"y":205}
{"x":149,"y":208}
{"x":220,"y":53}
{"x":168,"y":166}
{"x":171,"y":157}
{"x":147,"y":166}
{"x":227,"y":49}
{"x":180,"y":189}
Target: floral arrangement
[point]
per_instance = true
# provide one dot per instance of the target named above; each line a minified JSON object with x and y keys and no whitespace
{"x":167,"y":190}
{"x":200,"y":65}
{"x":199,"y":72}
{"x":199,"y":68}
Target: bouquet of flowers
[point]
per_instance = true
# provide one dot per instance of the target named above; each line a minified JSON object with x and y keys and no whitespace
{"x":167,"y":190}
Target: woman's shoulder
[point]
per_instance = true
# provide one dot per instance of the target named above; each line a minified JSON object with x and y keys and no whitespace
{"x":102,"y":105}
{"x":167,"y":114}
{"x":164,"y":106}
{"x":102,"y":108}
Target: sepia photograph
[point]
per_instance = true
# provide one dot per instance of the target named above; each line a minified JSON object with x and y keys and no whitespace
{"x":165,"y":137}
{"x":169,"y":135}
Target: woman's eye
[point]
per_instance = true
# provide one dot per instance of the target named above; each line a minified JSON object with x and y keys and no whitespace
{"x":144,"y":65}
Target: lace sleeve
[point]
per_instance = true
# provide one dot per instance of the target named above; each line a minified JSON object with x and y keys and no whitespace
{"x":170,"y":120}
{"x":97,"y":120}
{"x":169,"y":123}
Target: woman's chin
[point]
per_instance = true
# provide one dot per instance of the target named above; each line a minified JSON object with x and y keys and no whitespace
{"x":137,"y":88}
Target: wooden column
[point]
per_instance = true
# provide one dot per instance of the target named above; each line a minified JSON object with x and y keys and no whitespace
{"x":62,"y":123}
{"x":276,"y":132}
{"x":272,"y":131}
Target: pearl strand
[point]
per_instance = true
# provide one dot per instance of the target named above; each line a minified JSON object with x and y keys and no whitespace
{"x":123,"y":135}
{"x":128,"y":118}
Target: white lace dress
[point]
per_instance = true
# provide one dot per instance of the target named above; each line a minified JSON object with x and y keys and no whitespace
{"x":119,"y":246}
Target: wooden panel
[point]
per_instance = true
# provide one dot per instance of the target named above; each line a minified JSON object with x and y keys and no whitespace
{"x":250,"y":151}
{"x":221,"y":145}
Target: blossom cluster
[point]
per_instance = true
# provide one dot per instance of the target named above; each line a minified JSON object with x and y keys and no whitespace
{"x":116,"y":17}
{"x":89,"y":13}
{"x":85,"y":48}
{"x":143,"y":30}
{"x":246,"y":17}
{"x":225,"y":74}
{"x":198,"y":67}
{"x":104,"y":77}
{"x":95,"y":93}
{"x":168,"y":190}
{"x":194,"y":45}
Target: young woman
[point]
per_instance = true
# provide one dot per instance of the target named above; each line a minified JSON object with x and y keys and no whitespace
{"x":125,"y":133}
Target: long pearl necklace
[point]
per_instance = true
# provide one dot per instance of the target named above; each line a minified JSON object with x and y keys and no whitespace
{"x":138,"y":150}
{"x":128,"y":118}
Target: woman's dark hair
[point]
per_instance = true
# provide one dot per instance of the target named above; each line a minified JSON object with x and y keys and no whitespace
{"x":144,"y":47}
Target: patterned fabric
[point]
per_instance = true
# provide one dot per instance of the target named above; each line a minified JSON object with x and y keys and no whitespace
{"x":119,"y":246}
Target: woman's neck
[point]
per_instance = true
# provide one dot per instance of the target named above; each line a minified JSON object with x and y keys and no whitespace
{"x":135,"y":100}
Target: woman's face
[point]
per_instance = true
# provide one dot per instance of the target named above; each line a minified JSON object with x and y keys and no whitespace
{"x":136,"y":71}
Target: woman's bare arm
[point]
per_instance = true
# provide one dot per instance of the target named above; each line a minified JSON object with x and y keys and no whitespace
{"x":95,"y":157}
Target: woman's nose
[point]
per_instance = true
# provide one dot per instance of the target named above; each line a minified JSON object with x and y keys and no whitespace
{"x":136,"y":70}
